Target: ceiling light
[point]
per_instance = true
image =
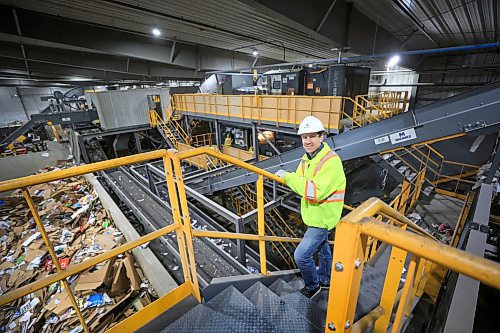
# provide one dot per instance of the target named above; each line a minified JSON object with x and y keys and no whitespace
{"x":255,"y":53}
{"x":393,"y":61}
{"x":310,"y":65}
{"x":156,"y":32}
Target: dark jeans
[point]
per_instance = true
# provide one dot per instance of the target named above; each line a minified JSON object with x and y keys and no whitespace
{"x":315,"y":240}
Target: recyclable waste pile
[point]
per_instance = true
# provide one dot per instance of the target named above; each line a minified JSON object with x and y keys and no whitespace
{"x":78,"y":228}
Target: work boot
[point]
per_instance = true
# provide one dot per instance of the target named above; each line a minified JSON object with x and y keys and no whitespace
{"x":310,"y":293}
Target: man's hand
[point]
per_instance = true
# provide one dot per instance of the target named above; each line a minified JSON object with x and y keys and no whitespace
{"x":281,"y":173}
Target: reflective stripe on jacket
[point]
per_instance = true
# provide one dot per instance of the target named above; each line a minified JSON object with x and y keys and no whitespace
{"x":321,"y":184}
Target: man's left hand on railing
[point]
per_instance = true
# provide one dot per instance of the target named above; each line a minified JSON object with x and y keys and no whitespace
{"x":281,"y":173}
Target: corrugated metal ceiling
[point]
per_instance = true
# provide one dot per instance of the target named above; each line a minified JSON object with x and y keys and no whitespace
{"x":233,"y":25}
{"x":224,"y":24}
{"x":448,"y":22}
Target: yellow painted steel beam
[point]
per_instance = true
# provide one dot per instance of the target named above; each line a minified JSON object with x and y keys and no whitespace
{"x":368,"y":320}
{"x":472,"y":166}
{"x":153,"y":310}
{"x":347,"y":269}
{"x":75,"y":269}
{"x":484,"y":270}
{"x":457,"y":233}
{"x":373,"y":206}
{"x":261,"y":224}
{"x":405,"y":296}
{"x":425,"y":277}
{"x":446,"y":179}
{"x":185,"y":222}
{"x":47,"y":177}
{"x":391,"y":286}
{"x":176,"y":215}
{"x":230,"y":159}
{"x":451,"y":194}
{"x":418,"y":279}
{"x":234,"y":235}
{"x":53,"y":256}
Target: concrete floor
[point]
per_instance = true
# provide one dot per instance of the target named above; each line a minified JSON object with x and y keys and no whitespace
{"x":25,"y":165}
{"x":442,"y":209}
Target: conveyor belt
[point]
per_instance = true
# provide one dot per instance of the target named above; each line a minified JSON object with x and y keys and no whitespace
{"x":211,"y":260}
{"x":473,"y":111}
{"x":230,"y":246}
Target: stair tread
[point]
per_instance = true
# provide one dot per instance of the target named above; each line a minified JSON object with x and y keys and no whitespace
{"x":280,"y":288}
{"x":277,"y":310}
{"x":201,"y":319}
{"x":297,"y":283}
{"x":240,"y":313}
{"x":309,"y":308}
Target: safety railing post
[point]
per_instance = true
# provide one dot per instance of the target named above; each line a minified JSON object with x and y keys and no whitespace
{"x":53,"y":256}
{"x":419,"y":273}
{"x":405,"y":296}
{"x":180,"y":214}
{"x":347,"y":269}
{"x":390,"y":290}
{"x":261,"y":224}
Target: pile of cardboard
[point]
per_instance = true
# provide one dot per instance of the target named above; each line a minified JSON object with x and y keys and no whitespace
{"x":79,"y":228}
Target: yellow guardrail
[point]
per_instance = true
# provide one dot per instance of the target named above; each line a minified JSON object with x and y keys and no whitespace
{"x":206,"y":139}
{"x":155,"y":120}
{"x":350,"y":237}
{"x":292,"y":109}
{"x":429,"y":158}
{"x":348,"y":257}
{"x":376,"y":107}
{"x":281,"y":110}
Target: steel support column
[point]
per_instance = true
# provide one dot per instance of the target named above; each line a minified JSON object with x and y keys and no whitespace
{"x":217,"y":134}
{"x":242,"y":255}
{"x":255,"y":143}
{"x":137,"y":142}
{"x":462,"y":309}
{"x":494,"y":166}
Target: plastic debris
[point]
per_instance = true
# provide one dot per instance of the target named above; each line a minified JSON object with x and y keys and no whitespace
{"x":79,"y":228}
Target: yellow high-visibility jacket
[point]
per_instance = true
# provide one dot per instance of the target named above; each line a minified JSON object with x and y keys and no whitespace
{"x":321,"y":183}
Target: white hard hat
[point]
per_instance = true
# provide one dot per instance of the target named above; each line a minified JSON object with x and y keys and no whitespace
{"x":310,"y":124}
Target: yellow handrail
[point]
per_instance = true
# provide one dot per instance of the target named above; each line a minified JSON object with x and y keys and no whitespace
{"x":170,"y":112}
{"x":348,"y":261}
{"x":428,"y":158}
{"x":155,"y":120}
{"x":205,"y":139}
{"x":348,"y":257}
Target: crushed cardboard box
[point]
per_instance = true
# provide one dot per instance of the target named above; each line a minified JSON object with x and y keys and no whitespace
{"x":79,"y":228}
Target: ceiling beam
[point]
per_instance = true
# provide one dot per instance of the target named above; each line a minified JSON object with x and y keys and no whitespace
{"x":67,"y":34}
{"x":323,"y":20}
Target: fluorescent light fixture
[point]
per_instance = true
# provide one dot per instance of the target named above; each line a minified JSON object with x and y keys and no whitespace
{"x":156,"y":32}
{"x":393,"y":61}
{"x":255,"y":53}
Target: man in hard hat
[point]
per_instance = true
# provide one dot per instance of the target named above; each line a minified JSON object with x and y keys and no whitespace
{"x":320,"y":181}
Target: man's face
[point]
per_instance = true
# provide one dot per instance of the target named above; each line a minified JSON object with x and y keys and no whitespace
{"x":311,"y":141}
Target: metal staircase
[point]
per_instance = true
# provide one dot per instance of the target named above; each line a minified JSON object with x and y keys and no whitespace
{"x":409,"y":161}
{"x":170,"y":129}
{"x":278,"y":306}
{"x":244,"y":200}
{"x":375,"y":107}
